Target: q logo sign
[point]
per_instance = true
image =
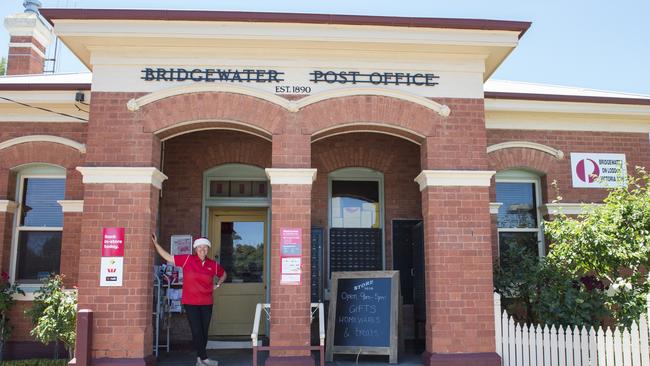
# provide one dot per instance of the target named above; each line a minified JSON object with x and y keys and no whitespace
{"x":587,"y":170}
{"x":597,"y":170}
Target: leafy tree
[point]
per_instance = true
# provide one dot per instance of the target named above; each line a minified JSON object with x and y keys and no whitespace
{"x":596,"y":271}
{"x":3,"y":66}
{"x":54,"y":315}
{"x":535,"y":291}
{"x":611,"y":244}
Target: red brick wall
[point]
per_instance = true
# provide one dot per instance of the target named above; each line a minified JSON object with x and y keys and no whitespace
{"x":457,"y":142}
{"x":116,"y":136}
{"x":635,"y":146}
{"x":396,"y":158}
{"x":24,"y":60}
{"x":458,"y":260}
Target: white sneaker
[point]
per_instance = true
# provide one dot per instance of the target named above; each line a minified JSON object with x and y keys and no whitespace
{"x":210,"y":362}
{"x":199,"y":362}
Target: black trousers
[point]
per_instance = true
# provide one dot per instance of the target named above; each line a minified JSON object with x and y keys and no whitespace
{"x":199,"y":317}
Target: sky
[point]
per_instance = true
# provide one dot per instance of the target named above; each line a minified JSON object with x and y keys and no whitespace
{"x":593,"y":44}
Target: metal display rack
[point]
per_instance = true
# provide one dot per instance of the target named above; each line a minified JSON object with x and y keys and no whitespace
{"x":161,"y":314}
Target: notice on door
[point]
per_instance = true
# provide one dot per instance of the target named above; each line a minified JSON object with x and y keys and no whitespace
{"x":291,"y":255}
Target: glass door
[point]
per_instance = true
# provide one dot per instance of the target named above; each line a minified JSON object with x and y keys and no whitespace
{"x":239,"y":238}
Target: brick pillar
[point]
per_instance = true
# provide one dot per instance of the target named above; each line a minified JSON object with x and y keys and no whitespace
{"x":29,"y":37}
{"x":121,"y":189}
{"x":458,"y":268}
{"x":291,"y":184}
{"x":119,"y":197}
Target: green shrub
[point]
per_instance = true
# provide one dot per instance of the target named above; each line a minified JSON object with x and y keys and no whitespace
{"x":35,"y":362}
{"x":54,"y":315}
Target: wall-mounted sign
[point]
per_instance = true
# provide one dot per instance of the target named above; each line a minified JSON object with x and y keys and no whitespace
{"x":113,"y":242}
{"x":181,"y":244}
{"x":374,"y":78}
{"x":591,"y":170}
{"x":294,"y":81}
{"x":111,"y":271}
{"x":112,"y":262}
{"x":291,"y":255}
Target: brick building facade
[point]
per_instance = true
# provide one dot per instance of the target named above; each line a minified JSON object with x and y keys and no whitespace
{"x":423,"y":138}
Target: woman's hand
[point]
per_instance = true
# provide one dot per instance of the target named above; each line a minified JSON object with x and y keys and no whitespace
{"x":162,"y":252}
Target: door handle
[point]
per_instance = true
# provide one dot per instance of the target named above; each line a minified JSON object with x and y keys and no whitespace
{"x":412,"y":272}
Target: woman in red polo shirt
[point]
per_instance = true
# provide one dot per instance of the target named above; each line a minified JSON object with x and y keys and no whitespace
{"x":198,"y":283}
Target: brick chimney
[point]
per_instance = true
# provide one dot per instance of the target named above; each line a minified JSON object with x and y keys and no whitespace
{"x":29,"y":36}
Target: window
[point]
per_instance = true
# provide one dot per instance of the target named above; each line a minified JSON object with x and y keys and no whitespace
{"x":519,"y":219}
{"x":355,"y":241}
{"x":39,"y":224}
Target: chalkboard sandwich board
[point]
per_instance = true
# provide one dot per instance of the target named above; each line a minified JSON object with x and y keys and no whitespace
{"x":363,"y":315}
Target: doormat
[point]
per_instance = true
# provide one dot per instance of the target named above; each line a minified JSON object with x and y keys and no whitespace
{"x":229,"y":344}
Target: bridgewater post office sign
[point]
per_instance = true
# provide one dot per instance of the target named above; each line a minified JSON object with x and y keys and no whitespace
{"x":299,"y":84}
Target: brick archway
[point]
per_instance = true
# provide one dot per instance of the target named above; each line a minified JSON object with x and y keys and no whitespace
{"x":520,"y":157}
{"x":370,"y":113}
{"x":182,"y":113}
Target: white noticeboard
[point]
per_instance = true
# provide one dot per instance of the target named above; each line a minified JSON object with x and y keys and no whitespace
{"x":112,"y":271}
{"x":591,"y":170}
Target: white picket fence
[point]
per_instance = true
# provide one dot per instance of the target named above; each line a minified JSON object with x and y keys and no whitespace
{"x":536,"y":345}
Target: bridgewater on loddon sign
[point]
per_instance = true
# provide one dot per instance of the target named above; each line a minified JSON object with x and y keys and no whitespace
{"x":112,"y":260}
{"x":590,"y":170}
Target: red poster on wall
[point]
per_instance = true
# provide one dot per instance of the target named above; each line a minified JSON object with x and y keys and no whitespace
{"x":113,"y":242}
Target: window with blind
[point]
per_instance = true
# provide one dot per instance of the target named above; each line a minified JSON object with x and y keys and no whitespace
{"x":39,"y":228}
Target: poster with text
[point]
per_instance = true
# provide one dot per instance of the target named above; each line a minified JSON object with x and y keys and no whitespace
{"x":592,"y":170}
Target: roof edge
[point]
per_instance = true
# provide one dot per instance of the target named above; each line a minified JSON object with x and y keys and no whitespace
{"x":566,"y":98}
{"x":44,"y":87}
{"x":52,"y":14}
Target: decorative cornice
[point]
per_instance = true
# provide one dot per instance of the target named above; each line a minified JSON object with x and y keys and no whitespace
{"x":558,"y":154}
{"x":569,"y":208}
{"x":494,"y":207}
{"x":290,"y":105}
{"x":72,"y":205}
{"x":7,"y":206}
{"x":475,"y":178}
{"x":290,"y":176}
{"x":29,"y":25}
{"x":143,"y":175}
{"x":44,"y":138}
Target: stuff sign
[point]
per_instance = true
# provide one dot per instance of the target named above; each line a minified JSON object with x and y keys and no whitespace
{"x":598,"y":170}
{"x":112,"y":261}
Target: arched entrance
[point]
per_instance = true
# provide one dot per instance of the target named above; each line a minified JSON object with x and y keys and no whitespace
{"x":217,"y":188}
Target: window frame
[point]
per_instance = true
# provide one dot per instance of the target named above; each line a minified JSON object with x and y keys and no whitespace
{"x":523,"y":176}
{"x":354,"y":174}
{"x":41,"y":172}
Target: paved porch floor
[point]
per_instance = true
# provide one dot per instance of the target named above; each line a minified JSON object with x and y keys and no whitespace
{"x":244,"y":357}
